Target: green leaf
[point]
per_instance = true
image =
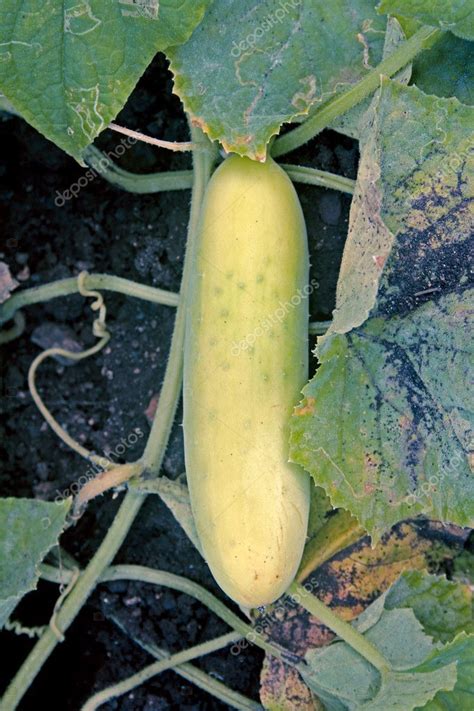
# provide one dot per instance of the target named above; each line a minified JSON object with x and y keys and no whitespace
{"x":455,"y":15}
{"x":250,"y":67}
{"x":447,"y":69}
{"x":444,"y":608}
{"x":460,"y":652}
{"x":28,"y":529}
{"x":69,"y":67}
{"x":345,"y":680}
{"x":402,"y":639}
{"x":386,"y":422}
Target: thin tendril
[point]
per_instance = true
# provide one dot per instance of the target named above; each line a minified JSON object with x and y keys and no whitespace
{"x":170,"y":145}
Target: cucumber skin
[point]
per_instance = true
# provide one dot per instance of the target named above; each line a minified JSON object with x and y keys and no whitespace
{"x":249,"y":503}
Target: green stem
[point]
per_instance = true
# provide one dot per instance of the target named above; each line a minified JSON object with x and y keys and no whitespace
{"x":65,"y":287}
{"x":182,"y":179}
{"x":135,"y":182}
{"x":318,"y":328}
{"x":344,"y":630}
{"x":312,"y":176}
{"x":143,"y":574}
{"x":423,"y":39}
{"x":157,"y":668}
{"x":169,"y":394}
{"x":196,"y":676}
{"x":133,"y":500}
{"x":76,"y":599}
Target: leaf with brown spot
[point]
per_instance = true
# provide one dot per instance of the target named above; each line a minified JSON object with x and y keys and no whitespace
{"x":348,"y":583}
{"x":391,"y":429}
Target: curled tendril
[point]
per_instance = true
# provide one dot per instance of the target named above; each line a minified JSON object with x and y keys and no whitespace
{"x":113,"y":474}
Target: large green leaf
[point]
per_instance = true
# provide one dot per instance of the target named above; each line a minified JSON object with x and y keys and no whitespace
{"x":28,"y":529}
{"x":447,"y":69}
{"x":443,"y":607}
{"x":455,"y":15}
{"x":460,"y":652}
{"x":68,"y":66}
{"x":386,"y":422}
{"x":345,"y":680}
{"x":250,"y":67}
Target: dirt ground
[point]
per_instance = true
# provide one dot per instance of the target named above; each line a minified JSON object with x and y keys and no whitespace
{"x":104,"y":399}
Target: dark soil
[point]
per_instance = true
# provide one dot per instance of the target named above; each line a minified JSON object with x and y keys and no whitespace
{"x":102,"y":400}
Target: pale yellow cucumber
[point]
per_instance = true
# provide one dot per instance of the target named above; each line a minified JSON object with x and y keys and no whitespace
{"x":245,"y":364}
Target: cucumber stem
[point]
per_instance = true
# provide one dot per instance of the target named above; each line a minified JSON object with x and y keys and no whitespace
{"x":169,"y":394}
{"x":65,"y":287}
{"x":141,"y":183}
{"x":143,"y":574}
{"x":182,"y":179}
{"x":133,"y":500}
{"x":196,"y":676}
{"x":313,"y":176}
{"x":406,"y":52}
{"x":342,"y":629}
{"x":199,"y":650}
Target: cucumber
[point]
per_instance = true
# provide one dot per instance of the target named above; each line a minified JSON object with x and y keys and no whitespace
{"x":245,"y":362}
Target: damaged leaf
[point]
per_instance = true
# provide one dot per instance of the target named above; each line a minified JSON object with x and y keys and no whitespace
{"x":250,"y":67}
{"x":86,"y":58}
{"x":390,"y":428}
{"x":348,"y":583}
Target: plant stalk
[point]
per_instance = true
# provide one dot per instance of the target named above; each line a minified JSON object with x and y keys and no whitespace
{"x":65,"y":287}
{"x":158,"y":667}
{"x":313,"y":176}
{"x":342,"y":629}
{"x":169,"y":394}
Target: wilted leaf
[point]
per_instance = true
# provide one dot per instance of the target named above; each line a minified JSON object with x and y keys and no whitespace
{"x":283,"y":689}
{"x":85,"y":57}
{"x":28,"y":529}
{"x":250,"y":67}
{"x":455,"y":15}
{"x":386,"y":423}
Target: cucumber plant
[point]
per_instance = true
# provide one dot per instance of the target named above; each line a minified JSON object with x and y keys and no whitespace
{"x":383,"y":427}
